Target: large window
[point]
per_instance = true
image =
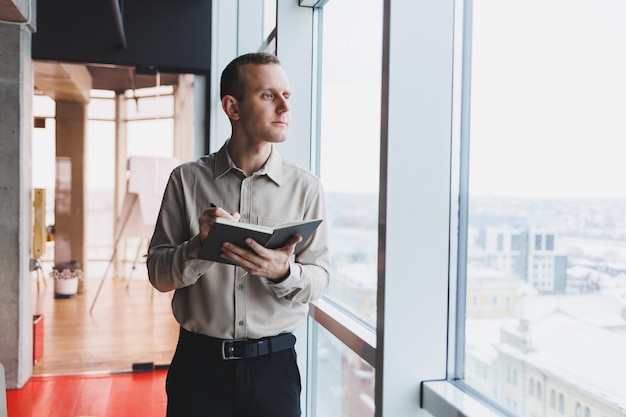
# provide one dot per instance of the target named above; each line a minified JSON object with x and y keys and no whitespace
{"x":350,"y":131}
{"x":350,"y":148}
{"x":546,"y":170}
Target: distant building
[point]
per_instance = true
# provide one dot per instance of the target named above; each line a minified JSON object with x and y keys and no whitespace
{"x":530,"y":253}
{"x":505,"y":249}
{"x":493,"y":293}
{"x":546,"y":265}
{"x":580,"y":279}
{"x":563,"y":357}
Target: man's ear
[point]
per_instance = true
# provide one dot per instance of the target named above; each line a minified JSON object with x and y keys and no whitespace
{"x":230,"y":107}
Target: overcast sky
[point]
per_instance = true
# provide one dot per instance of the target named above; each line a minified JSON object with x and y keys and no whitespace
{"x":548,"y":98}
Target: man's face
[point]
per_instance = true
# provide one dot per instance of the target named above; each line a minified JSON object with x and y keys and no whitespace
{"x":264,"y":108}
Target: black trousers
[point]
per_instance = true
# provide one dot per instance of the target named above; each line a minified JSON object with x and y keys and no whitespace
{"x":200,"y":383}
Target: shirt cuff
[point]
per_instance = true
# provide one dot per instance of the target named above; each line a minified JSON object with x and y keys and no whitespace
{"x":286,"y":286}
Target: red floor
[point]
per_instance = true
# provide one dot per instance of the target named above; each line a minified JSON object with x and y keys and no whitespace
{"x":123,"y":395}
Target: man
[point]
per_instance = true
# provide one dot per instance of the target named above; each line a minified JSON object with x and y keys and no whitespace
{"x":264,"y":296}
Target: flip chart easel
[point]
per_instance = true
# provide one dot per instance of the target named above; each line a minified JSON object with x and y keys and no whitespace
{"x":140,"y":209}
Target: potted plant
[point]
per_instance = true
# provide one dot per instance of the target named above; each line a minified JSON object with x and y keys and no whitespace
{"x":66,"y":276}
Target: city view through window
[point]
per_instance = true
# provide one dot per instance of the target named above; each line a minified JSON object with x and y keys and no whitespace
{"x":545,"y":326}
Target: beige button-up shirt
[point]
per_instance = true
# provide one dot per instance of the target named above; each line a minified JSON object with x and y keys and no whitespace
{"x":221,"y":300}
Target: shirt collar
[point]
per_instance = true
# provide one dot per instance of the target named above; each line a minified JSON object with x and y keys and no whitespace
{"x":223,"y":163}
{"x":273,"y":167}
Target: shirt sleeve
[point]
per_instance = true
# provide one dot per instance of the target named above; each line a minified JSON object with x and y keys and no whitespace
{"x":172,"y":254}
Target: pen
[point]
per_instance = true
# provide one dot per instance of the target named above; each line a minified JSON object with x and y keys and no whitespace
{"x":213,"y":205}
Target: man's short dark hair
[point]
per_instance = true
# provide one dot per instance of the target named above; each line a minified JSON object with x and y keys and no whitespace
{"x":232,"y":83}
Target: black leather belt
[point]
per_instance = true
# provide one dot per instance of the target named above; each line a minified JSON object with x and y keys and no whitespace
{"x":230,"y":349}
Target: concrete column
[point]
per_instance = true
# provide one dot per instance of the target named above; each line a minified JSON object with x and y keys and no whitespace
{"x":16,"y":124}
{"x":70,"y":211}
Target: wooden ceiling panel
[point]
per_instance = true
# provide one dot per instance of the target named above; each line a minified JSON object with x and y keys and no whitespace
{"x":62,"y":81}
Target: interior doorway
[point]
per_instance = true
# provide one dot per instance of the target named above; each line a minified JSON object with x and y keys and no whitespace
{"x":117,"y":321}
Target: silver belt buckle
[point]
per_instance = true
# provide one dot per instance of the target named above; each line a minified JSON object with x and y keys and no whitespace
{"x":229,"y":346}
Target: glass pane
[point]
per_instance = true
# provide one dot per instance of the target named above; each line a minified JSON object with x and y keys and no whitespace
{"x":100,"y":171}
{"x":44,"y":157}
{"x":102,"y":94}
{"x":156,"y":90}
{"x":150,"y":107}
{"x":43,"y":106}
{"x":350,"y":148}
{"x":546,"y":261}
{"x":101,"y":108}
{"x":344,"y":383}
{"x":154,"y":138}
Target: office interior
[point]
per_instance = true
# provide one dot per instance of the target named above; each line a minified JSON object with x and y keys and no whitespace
{"x":390,"y":339}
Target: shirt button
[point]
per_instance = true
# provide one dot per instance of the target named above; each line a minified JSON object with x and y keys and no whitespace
{"x":241,"y":322}
{"x":240,"y":286}
{"x":245,"y":215}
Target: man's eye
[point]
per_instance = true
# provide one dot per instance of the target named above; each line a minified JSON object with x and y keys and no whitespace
{"x":268,"y":95}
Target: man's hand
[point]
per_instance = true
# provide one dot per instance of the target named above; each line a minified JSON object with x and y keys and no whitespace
{"x":272,"y":264}
{"x":208,"y":217}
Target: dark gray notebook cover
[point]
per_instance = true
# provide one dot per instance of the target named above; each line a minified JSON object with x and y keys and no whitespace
{"x":271,"y":237}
